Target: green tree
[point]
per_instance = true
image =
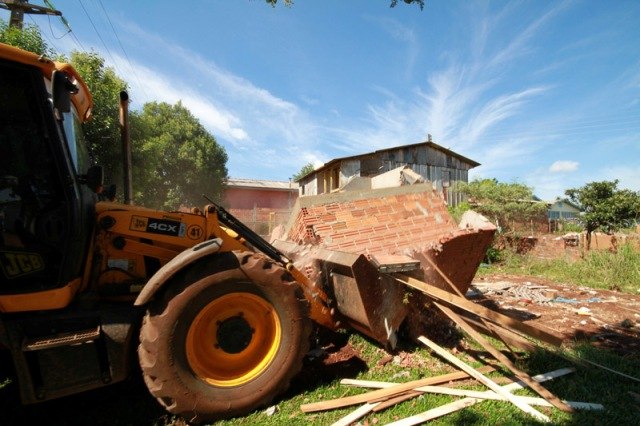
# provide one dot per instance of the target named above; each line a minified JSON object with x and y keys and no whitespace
{"x":28,"y":38}
{"x":175,"y":159}
{"x":504,"y":203}
{"x":605,"y":207}
{"x":103,"y":130}
{"x":305,"y":170}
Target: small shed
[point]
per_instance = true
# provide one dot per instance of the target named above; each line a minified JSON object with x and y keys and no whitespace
{"x":250,"y":193}
{"x":432,"y":162}
{"x":260,"y":204}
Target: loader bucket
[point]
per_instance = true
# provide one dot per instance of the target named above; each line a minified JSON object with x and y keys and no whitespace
{"x":366,"y":300}
{"x":351,"y":243}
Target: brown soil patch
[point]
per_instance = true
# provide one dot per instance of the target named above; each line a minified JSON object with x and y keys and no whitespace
{"x":604,"y":318}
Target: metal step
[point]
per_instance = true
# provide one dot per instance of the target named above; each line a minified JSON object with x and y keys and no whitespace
{"x":62,"y":339}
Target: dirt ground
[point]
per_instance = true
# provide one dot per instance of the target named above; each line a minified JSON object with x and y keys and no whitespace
{"x":605,"y":318}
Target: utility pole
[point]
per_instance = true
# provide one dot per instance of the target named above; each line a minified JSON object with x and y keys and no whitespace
{"x":18,"y":8}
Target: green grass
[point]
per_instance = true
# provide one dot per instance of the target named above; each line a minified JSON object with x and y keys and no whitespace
{"x":586,"y":384}
{"x":129,"y":403}
{"x":599,"y":269}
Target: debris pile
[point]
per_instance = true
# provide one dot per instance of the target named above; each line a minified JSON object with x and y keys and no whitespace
{"x":373,"y":252}
{"x":470,"y":317}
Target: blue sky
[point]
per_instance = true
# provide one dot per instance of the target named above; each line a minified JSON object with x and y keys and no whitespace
{"x":545,"y":93}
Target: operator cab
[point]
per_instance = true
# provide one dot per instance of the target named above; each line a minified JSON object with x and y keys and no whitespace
{"x":43,"y":161}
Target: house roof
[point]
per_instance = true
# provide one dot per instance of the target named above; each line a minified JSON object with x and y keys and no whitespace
{"x":429,"y":144}
{"x":262,"y":184}
{"x":565,"y":201}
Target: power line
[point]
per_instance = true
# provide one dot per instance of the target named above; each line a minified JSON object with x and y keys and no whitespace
{"x":570,"y":128}
{"x":44,"y":35}
{"x":100,"y":37}
{"x":66,"y":24}
{"x":53,"y":35}
{"x":122,"y":48}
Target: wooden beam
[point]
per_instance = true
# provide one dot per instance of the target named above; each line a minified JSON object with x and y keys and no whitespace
{"x":537,"y":387}
{"x":467,"y":402}
{"x":514,"y":339}
{"x":450,"y":299}
{"x":470,"y":393}
{"x":510,"y":387}
{"x":434,"y":413}
{"x":396,"y":400}
{"x":352,"y":417}
{"x":382,"y":394}
{"x":483,"y":379}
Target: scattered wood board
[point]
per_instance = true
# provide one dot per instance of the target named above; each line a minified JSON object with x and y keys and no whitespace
{"x":473,"y":319}
{"x":383,"y":394}
{"x":461,"y":403}
{"x":484,"y":379}
{"x":547,"y":336}
{"x":449,"y":408}
{"x":538,"y":388}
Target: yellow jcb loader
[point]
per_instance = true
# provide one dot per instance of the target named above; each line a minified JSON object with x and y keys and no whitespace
{"x":218,"y":319}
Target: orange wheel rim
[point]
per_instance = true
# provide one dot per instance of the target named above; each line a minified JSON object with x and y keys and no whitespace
{"x":233,"y":339}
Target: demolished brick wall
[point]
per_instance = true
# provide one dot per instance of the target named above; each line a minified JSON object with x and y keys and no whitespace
{"x":388,"y":223}
{"x":408,"y":222}
{"x":348,"y":243}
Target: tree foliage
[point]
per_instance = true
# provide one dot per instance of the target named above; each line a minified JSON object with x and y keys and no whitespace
{"x":500,"y":202}
{"x":605,"y":207}
{"x":175,"y":159}
{"x":418,"y":2}
{"x":305,"y":170}
{"x":103,"y":130}
{"x":28,"y":38}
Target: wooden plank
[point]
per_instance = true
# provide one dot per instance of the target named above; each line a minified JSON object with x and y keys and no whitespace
{"x":467,"y":402}
{"x":352,"y":417}
{"x":443,"y":390}
{"x":549,"y":337}
{"x":483,"y":379}
{"x":434,"y":413}
{"x":557,"y":402}
{"x":383,"y":405}
{"x":510,"y":387}
{"x":537,"y":387}
{"x":457,"y":291}
{"x":382,"y":394}
{"x":472,"y":394}
{"x":509,"y":337}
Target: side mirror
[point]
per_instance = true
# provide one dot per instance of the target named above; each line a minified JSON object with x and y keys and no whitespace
{"x":61,"y":89}
{"x":94,"y":178}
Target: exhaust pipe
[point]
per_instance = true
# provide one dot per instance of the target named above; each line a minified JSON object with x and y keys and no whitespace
{"x":126,"y":147}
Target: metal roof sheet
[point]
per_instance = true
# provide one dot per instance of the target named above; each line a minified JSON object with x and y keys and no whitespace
{"x":262,"y":184}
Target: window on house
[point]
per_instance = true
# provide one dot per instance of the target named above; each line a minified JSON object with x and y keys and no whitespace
{"x":335,"y":178}
{"x":449,"y":161}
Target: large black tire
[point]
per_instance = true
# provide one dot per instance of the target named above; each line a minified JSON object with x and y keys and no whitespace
{"x":221,"y":343}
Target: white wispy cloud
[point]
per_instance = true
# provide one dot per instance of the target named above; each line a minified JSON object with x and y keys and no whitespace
{"x":563,"y":166}
{"x":258,"y":127}
{"x":521,"y":44}
{"x":498,"y":109}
